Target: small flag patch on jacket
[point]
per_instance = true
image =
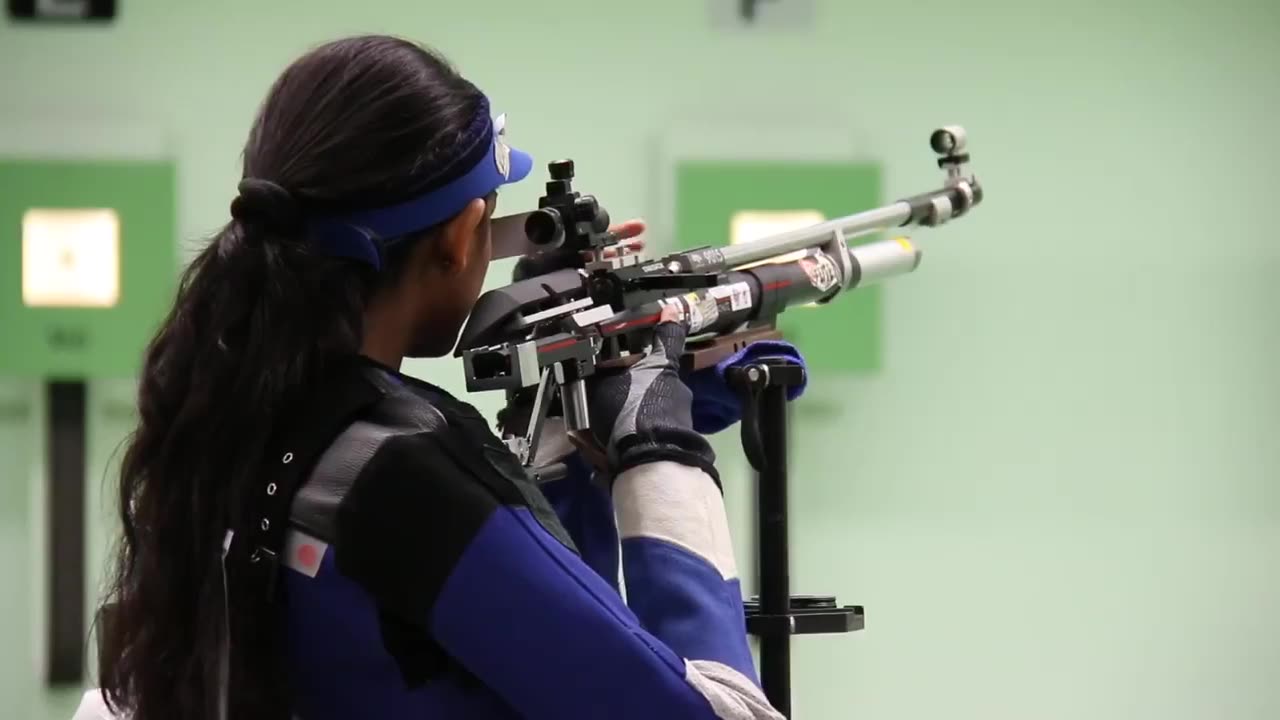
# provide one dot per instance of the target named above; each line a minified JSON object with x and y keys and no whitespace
{"x":304,"y":553}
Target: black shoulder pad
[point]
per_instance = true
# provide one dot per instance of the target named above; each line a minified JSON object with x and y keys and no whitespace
{"x":260,"y":523}
{"x":466,"y":419}
{"x":417,"y":506}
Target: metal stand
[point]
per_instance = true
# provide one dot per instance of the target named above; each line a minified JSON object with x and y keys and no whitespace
{"x":778,"y":614}
{"x":65,"y":548}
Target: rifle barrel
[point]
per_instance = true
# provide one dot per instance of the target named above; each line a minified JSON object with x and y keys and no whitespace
{"x":850,"y":226}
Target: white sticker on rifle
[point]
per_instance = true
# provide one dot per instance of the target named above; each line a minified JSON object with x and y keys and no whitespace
{"x":703,"y":310}
{"x":739,"y":295}
{"x":677,"y":304}
{"x":689,"y":309}
{"x":822,"y":271}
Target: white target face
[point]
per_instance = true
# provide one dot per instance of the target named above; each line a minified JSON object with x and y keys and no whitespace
{"x":70,"y":258}
{"x":748,"y":225}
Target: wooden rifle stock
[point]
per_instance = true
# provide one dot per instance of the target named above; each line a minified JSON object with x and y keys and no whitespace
{"x":707,"y":353}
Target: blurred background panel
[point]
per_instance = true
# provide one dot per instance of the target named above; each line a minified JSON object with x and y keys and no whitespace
{"x":1056,"y":488}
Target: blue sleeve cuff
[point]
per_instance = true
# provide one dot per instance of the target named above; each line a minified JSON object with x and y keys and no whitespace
{"x":716,"y":405}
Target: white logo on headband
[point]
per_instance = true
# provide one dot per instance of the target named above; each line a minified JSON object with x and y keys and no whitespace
{"x":501,"y":153}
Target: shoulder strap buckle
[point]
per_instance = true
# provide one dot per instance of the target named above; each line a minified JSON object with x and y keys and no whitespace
{"x":266,"y":564}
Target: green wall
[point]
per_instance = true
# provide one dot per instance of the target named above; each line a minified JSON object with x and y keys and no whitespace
{"x":1059,"y":497}
{"x":106,"y":342}
{"x":844,"y":336}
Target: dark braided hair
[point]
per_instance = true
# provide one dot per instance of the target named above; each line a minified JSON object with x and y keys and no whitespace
{"x":358,"y":123}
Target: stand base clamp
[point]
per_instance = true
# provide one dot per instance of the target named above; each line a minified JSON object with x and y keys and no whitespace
{"x":808,"y":615}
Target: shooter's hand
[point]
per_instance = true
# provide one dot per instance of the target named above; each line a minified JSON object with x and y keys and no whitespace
{"x":643,"y":414}
{"x":629,"y":240}
{"x":628,"y":234}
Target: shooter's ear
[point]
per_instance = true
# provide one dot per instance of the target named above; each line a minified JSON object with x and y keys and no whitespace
{"x":455,"y":245}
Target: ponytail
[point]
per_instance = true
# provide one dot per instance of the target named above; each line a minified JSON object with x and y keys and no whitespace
{"x":258,"y":319}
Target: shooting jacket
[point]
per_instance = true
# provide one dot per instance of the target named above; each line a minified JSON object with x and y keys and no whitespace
{"x":425,"y":576}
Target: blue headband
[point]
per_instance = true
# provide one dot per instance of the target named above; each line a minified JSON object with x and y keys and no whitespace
{"x":358,"y":235}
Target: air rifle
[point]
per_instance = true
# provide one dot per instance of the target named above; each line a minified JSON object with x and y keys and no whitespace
{"x":583,"y":302}
{"x":587,"y":302}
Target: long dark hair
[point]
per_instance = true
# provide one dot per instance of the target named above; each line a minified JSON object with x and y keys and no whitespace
{"x":353,"y":124}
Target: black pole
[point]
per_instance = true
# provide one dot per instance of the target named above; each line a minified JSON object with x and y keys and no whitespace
{"x":66,"y":555}
{"x":747,"y":9}
{"x":775,"y":574}
{"x":777,"y":615}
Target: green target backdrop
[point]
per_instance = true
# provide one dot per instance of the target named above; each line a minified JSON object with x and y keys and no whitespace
{"x":87,"y":264}
{"x":714,"y":197}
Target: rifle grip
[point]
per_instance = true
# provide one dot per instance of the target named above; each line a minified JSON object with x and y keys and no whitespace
{"x":590,"y":448}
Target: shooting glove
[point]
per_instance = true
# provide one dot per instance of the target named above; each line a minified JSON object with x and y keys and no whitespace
{"x":644,"y":414}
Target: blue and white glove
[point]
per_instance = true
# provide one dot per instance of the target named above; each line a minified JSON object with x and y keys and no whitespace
{"x":644,"y":414}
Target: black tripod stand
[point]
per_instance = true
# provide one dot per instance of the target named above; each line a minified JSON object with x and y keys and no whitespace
{"x":777,"y":615}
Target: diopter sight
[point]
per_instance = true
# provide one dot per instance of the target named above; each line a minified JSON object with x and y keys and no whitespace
{"x":566,"y":219}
